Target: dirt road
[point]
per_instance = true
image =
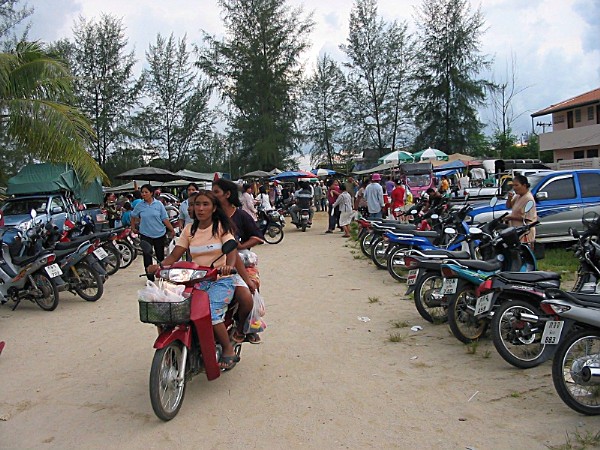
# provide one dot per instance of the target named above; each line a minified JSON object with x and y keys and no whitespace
{"x":78,"y":377}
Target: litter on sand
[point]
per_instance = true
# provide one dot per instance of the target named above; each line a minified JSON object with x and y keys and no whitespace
{"x":364,"y":319}
{"x":416,"y":328}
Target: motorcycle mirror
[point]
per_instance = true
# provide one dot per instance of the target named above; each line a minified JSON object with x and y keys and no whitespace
{"x":528,"y":206}
{"x":450,"y":231}
{"x":435,"y":216}
{"x":413,"y":212}
{"x":33,"y":213}
{"x":493,"y":202}
{"x":475,"y":230}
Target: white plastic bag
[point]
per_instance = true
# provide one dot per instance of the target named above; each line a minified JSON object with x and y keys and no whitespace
{"x":163,"y":292}
{"x":150,"y":293}
{"x":255,"y":324}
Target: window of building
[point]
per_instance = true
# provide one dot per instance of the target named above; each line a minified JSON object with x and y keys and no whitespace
{"x":560,"y":189}
{"x":578,"y":115}
{"x":590,"y":113}
{"x":578,"y":154}
{"x":590,"y":184}
{"x":592,"y":153}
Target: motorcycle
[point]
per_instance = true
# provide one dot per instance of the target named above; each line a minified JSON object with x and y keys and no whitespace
{"x":576,"y":363}
{"x":463,"y":278}
{"x":271,"y":225}
{"x":27,"y":270}
{"x":186,"y":345}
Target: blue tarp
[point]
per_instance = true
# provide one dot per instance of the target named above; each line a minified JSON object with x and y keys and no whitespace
{"x":446,"y":172}
{"x":458,"y":164}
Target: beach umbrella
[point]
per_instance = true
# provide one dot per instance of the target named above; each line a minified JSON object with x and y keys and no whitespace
{"x":430,"y":153}
{"x":149,"y":174}
{"x":396,"y":156}
{"x":257,"y":174}
{"x":323,"y":172}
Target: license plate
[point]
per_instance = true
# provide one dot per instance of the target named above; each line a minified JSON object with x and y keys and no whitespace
{"x":552,"y":331}
{"x":53,"y":270}
{"x":100,"y":253}
{"x":449,"y":286}
{"x":484,"y":303}
{"x":412,"y":276}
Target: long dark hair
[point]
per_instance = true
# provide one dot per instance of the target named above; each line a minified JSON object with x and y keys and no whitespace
{"x":229,"y":186}
{"x":219,"y":217}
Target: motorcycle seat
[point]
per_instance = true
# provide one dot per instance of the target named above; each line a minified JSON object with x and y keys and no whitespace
{"x":486,"y":266}
{"x":591,"y":300}
{"x":24,"y":260}
{"x":442,"y":253}
{"x":427,"y":234}
{"x":69,"y":244}
{"x":530,"y":277}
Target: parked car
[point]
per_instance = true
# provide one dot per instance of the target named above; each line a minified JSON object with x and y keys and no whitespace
{"x":562,"y":199}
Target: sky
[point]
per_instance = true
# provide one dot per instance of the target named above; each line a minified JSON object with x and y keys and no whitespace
{"x":555,"y":43}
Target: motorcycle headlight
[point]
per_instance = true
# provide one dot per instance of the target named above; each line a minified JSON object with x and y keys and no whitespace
{"x":182,"y":275}
{"x":24,"y":226}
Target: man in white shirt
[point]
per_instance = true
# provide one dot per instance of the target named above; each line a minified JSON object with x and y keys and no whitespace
{"x":374,"y":197}
{"x":184,"y":215}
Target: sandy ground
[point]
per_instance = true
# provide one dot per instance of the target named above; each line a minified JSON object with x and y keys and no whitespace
{"x":78,"y":377}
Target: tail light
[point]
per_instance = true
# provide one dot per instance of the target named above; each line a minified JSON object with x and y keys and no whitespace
{"x":547,"y":308}
{"x":68,"y":225}
{"x":556,"y":309}
{"x":484,"y":287}
{"x":91,"y":249}
{"x":50,"y":258}
{"x":447,"y":272}
{"x":410,"y":262}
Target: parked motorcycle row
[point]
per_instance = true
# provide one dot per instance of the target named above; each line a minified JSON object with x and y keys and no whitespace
{"x":39,"y":261}
{"x":480,"y":279}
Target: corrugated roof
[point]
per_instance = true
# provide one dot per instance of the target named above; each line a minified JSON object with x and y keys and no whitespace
{"x":580,"y":100}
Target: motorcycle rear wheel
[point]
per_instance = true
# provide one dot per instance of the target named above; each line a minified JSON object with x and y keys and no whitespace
{"x":112,"y":263}
{"x":461,"y":320}
{"x":127,"y":253}
{"x":90,"y":284}
{"x":513,"y":338}
{"x":574,"y":353}
{"x":166,"y":390}
{"x":273,"y":233}
{"x":430,"y":309}
{"x":44,"y":283}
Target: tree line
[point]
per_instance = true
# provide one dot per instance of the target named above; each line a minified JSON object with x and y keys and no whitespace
{"x":244,"y":101}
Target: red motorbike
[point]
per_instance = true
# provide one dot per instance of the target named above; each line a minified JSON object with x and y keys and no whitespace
{"x":186,"y":345}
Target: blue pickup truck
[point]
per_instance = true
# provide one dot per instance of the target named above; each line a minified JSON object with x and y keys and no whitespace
{"x":562,"y":199}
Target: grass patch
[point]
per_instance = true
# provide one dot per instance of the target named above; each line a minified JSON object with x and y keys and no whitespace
{"x":396,"y":337}
{"x":578,"y":441}
{"x":560,"y":260}
{"x":487,"y":354}
{"x":373,"y":299}
{"x":400,"y":324}
{"x":515,"y":395}
{"x":472,"y":347}
{"x":354,"y":231}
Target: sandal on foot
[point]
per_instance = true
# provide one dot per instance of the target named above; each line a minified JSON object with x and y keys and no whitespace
{"x":238,"y":337}
{"x":228,"y":362}
{"x":253,"y":338}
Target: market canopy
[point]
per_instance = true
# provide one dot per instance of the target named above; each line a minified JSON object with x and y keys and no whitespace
{"x":292,"y":174}
{"x":257,"y":174}
{"x":379,"y":168}
{"x":197,"y":176}
{"x":396,"y":156}
{"x":430,"y":153}
{"x":451,"y":165}
{"x":323,"y":172}
{"x":149,"y":174}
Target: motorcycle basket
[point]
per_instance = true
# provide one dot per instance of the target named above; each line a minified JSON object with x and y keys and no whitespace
{"x":164,"y":313}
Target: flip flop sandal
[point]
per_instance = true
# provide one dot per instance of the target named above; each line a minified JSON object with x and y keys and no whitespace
{"x":2,"y":344}
{"x":253,"y":338}
{"x":238,"y":337}
{"x":228,"y":362}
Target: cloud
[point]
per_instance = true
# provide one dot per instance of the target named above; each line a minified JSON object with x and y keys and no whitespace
{"x":589,"y":10}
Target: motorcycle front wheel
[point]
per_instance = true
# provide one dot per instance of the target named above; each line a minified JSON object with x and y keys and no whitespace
{"x":576,"y":355}
{"x":428,"y":298}
{"x":463,"y":324}
{"x":518,"y":341}
{"x":379,"y":253}
{"x":47,"y":295}
{"x":273,"y":233}
{"x":395,"y":264}
{"x":365,"y":244}
{"x":89,"y":284}
{"x":167,"y":384}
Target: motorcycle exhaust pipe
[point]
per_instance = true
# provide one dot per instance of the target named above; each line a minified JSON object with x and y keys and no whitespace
{"x":590,"y":375}
{"x":526,"y":317}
